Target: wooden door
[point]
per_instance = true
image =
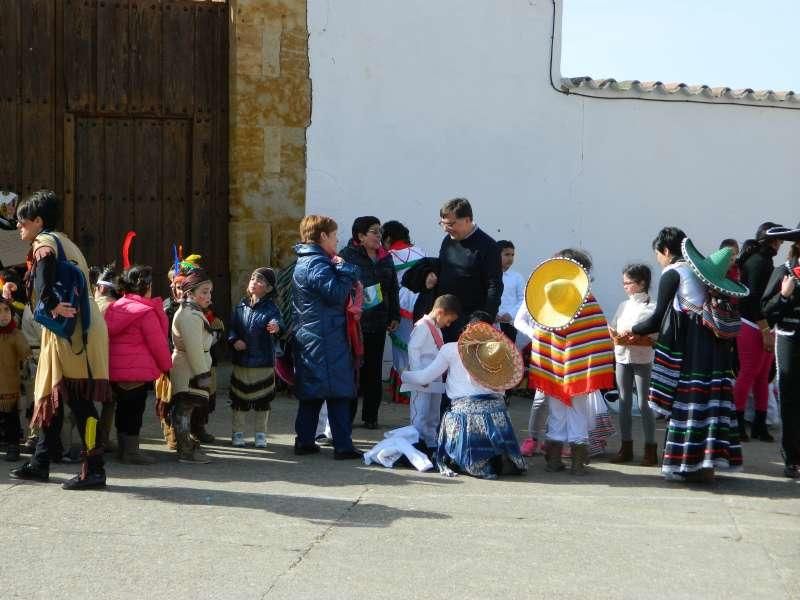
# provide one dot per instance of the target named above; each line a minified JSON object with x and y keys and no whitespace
{"x":121,"y":107}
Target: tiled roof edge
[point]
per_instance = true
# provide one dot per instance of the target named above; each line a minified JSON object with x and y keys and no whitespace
{"x":656,"y":90}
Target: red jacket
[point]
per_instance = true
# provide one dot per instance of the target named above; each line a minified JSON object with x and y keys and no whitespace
{"x":138,"y":349}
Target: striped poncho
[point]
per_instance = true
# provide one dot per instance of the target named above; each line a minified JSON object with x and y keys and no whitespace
{"x":576,"y":360}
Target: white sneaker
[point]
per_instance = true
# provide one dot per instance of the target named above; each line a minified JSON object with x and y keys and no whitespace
{"x":261,"y":440}
{"x":237,"y":439}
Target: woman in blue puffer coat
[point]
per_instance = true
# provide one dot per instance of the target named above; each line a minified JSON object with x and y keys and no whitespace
{"x":321,"y":286}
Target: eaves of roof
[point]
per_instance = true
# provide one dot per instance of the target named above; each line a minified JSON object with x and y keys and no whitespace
{"x":679,"y":92}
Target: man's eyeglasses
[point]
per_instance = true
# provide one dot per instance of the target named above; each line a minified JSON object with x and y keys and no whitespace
{"x":446,"y":224}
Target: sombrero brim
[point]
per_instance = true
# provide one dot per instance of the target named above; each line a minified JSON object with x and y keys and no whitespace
{"x":535,"y":298}
{"x":511,"y":373}
{"x":724,"y":285}
{"x":783,"y":233}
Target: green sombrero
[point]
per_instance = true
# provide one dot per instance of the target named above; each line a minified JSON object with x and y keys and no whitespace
{"x":712,"y":270}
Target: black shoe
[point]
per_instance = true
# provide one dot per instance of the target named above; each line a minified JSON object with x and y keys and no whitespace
{"x":791,"y":471}
{"x":31,"y":473}
{"x":301,"y":450}
{"x":371,"y":425}
{"x":348,"y":454}
{"x":12,"y":453}
{"x":91,"y":482}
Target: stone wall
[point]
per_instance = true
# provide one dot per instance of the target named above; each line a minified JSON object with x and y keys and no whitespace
{"x":270,"y":102}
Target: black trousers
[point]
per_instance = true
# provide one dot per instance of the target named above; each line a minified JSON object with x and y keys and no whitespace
{"x":11,"y":427}
{"x":787,"y":360}
{"x":49,"y":441}
{"x":371,"y":378}
{"x":130,"y":408}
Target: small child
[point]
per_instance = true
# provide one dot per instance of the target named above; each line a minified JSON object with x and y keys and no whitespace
{"x":513,"y":291}
{"x":253,"y":323}
{"x":13,"y":350}
{"x":423,"y":346}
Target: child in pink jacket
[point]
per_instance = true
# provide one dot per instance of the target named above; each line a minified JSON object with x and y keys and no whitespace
{"x":138,"y":354}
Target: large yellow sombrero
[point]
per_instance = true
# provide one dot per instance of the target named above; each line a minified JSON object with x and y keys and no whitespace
{"x":490,"y":358}
{"x":556,"y":291}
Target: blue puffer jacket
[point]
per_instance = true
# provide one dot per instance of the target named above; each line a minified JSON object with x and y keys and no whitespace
{"x":249,"y":324}
{"x":322,"y":359}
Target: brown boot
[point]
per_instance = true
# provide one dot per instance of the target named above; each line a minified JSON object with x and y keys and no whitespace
{"x":169,"y":435}
{"x":186,"y":450}
{"x":199,"y":419}
{"x":130,"y":452}
{"x":553,"y":457}
{"x":580,"y":453}
{"x":650,"y":456}
{"x":625,"y":454}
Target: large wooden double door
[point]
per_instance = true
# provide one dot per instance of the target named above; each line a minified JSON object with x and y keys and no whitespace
{"x":121,"y":107}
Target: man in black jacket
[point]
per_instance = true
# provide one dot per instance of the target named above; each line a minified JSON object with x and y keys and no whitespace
{"x":470,"y":265}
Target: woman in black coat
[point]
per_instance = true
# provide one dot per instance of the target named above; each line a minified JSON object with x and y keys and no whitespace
{"x":381,"y":311}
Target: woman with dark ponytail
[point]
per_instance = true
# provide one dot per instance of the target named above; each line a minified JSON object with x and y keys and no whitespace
{"x":756,"y":343}
{"x":138,"y":355}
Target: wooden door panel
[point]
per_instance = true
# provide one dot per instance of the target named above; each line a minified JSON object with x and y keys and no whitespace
{"x":89,"y":187}
{"x":145,"y":57}
{"x":79,"y":17}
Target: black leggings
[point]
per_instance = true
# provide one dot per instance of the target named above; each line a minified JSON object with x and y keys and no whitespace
{"x":50,"y":436}
{"x":130,"y":408}
{"x":371,"y":377}
{"x":11,"y":427}
{"x":787,"y":359}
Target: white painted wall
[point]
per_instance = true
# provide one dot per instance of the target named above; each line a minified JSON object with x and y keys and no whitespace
{"x":416,"y":102}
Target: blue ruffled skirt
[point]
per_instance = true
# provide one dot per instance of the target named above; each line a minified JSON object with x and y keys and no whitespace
{"x":476,"y":437}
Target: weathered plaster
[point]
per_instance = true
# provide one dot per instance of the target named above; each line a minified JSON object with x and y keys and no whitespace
{"x":270,"y":111}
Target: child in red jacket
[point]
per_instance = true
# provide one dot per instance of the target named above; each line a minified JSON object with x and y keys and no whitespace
{"x":138,"y":355}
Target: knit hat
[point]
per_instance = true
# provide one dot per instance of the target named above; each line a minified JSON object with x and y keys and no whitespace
{"x":267,"y":273}
{"x":194,"y":279}
{"x":712,"y":270}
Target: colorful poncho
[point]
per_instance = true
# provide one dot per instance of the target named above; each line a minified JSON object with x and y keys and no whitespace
{"x":576,"y":360}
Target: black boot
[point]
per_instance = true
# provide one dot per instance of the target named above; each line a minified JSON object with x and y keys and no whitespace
{"x":31,"y":473}
{"x":12,"y":452}
{"x":743,"y":437}
{"x":759,"y":429}
{"x":92,"y":475}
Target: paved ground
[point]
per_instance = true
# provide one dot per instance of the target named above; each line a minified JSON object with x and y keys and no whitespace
{"x":267,"y":524}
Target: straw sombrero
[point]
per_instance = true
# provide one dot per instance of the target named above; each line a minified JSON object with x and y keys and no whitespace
{"x":490,"y":358}
{"x":712,"y":270}
{"x":556,"y":291}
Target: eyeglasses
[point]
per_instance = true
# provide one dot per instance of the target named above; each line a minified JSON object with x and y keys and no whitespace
{"x":446,"y":224}
{"x":374,"y":231}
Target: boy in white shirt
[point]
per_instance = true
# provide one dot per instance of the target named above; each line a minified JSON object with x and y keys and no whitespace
{"x":423,"y":346}
{"x":513,"y":291}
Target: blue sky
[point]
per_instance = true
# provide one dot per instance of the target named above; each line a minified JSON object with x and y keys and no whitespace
{"x":734,"y":43}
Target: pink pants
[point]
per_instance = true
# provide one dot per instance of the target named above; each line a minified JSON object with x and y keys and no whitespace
{"x":754,"y":366}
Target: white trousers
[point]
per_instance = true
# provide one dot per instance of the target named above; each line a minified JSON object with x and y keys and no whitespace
{"x":568,"y":424}
{"x":424,"y":411}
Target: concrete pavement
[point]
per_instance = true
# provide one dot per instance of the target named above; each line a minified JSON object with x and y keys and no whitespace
{"x":266,"y":524}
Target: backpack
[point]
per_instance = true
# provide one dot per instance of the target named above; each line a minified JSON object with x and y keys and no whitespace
{"x":69,"y":286}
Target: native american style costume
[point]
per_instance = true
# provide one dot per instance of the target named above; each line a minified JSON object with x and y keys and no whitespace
{"x":13,"y":350}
